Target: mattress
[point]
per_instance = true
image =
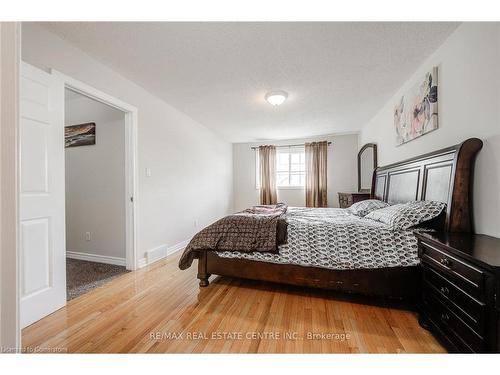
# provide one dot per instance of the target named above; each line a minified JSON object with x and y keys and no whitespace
{"x":334,"y":238}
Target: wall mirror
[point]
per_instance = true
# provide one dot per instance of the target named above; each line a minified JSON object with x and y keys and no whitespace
{"x":367,"y":162}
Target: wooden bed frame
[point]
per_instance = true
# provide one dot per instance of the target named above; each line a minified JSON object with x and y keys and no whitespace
{"x":445,"y":175}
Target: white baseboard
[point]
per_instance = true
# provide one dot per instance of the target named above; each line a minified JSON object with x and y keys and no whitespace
{"x":96,"y":258}
{"x":142,"y":262}
{"x":161,"y":252}
{"x":180,"y":246}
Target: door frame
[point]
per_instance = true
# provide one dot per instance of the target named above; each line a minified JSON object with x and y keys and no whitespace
{"x":130,"y":157}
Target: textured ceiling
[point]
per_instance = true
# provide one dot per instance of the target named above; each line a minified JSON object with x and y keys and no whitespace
{"x":337,"y":74}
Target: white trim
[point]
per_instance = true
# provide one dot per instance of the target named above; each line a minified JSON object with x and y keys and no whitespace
{"x":131,"y":190}
{"x":96,"y":258}
{"x":142,"y":262}
{"x":157,"y":253}
{"x":290,"y":188}
{"x":10,"y":46}
{"x":180,"y":246}
{"x":89,"y":91}
{"x":160,"y":252}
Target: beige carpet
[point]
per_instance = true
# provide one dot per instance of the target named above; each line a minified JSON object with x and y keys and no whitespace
{"x":83,"y":276}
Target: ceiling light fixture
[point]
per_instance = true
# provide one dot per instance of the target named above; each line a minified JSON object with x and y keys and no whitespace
{"x":276,"y":98}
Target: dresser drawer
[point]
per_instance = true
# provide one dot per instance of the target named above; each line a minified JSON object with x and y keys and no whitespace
{"x":459,"y":289}
{"x":472,"y":311}
{"x":449,"y":322}
{"x":466,"y":276}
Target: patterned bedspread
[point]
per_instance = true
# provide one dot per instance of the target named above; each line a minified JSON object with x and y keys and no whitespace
{"x":335,"y":239}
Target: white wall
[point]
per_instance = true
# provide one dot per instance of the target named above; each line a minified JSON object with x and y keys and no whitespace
{"x":95,"y":181}
{"x":469,"y":106}
{"x":191,"y":166}
{"x":342,"y":175}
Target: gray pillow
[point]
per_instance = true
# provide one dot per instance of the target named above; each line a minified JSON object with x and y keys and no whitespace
{"x":406,"y":215}
{"x":365,"y":207}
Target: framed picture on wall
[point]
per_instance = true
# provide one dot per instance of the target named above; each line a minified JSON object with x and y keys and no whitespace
{"x":417,"y":112}
{"x":79,"y":135}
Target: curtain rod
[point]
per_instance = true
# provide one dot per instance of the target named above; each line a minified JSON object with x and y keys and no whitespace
{"x":295,"y":145}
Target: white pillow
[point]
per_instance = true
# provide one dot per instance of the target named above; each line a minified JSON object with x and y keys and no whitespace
{"x":406,"y":215}
{"x":365,"y":207}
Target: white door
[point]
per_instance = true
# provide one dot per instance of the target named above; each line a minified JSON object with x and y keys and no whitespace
{"x":42,"y":226}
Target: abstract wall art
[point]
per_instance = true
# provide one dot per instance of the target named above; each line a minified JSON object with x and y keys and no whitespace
{"x":417,"y":112}
{"x":79,"y":135}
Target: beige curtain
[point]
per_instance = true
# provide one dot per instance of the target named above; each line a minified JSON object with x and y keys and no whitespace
{"x":267,"y":165}
{"x":316,"y":170}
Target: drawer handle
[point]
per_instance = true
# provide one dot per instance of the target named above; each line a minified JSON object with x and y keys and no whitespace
{"x":444,"y":290}
{"x":445,"y":262}
{"x":445,"y":317}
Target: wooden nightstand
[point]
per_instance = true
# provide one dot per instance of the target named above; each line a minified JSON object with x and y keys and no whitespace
{"x":459,"y":290}
{"x":348,"y":199}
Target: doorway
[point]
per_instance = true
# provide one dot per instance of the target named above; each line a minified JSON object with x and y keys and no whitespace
{"x":95,"y":191}
{"x":130,"y":152}
{"x":42,"y":192}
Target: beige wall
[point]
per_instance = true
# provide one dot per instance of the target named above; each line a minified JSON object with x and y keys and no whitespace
{"x":95,"y":181}
{"x":9,"y":82}
{"x":469,"y":106}
{"x":1,"y":227}
{"x":342,"y":175}
{"x":191,"y":167}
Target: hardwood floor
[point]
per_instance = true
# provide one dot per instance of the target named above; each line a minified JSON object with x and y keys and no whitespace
{"x":161,"y":309}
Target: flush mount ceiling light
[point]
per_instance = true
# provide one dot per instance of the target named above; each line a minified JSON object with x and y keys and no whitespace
{"x":276,"y":97}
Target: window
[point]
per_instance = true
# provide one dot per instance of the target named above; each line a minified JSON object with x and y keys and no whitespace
{"x":290,"y":167}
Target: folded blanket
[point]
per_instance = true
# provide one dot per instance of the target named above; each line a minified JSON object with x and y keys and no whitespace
{"x":259,"y":228}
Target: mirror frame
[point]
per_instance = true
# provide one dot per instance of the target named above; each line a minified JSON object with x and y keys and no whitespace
{"x":375,"y":164}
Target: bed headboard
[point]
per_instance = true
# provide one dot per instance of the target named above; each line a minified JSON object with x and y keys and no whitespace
{"x":445,"y":175}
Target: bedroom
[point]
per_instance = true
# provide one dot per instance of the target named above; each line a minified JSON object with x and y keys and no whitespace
{"x":291,"y":187}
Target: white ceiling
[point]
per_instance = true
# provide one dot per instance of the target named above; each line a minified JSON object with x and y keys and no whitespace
{"x":337,"y":74}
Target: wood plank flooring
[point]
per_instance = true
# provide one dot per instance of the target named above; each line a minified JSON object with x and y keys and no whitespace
{"x":160,"y":309}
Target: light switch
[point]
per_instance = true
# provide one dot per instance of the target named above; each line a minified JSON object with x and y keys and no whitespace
{"x":148,"y":172}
